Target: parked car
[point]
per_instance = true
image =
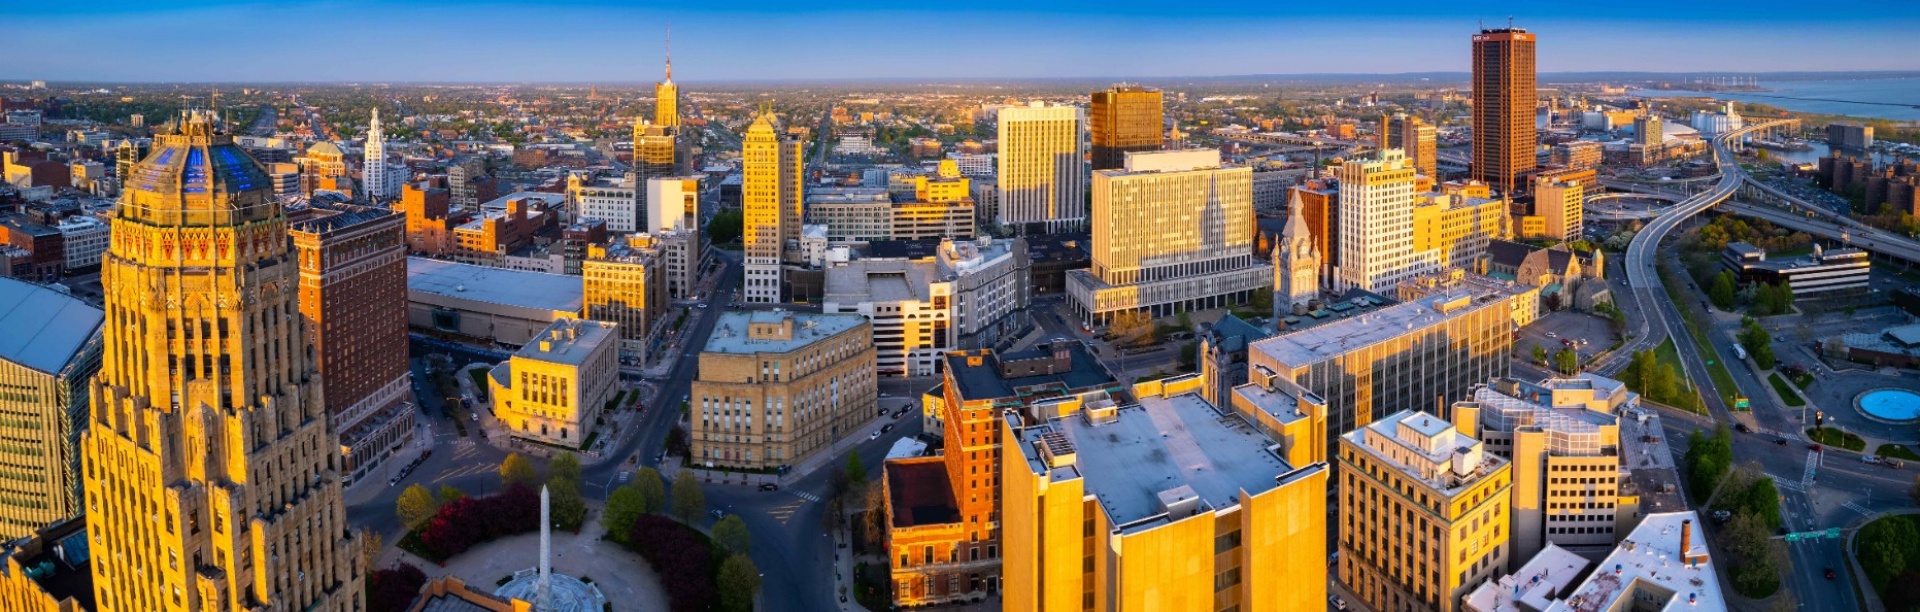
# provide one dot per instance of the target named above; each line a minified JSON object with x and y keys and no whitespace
{"x":1742,"y":428}
{"x":1338,"y":603}
{"x":768,"y":486}
{"x":874,"y":436}
{"x":886,"y":428}
{"x":1780,"y":441}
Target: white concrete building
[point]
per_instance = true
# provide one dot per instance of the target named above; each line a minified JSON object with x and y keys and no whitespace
{"x":969,"y":295}
{"x":375,"y":179}
{"x":613,"y":200}
{"x":673,"y":204}
{"x":86,"y":240}
{"x":1375,"y":244}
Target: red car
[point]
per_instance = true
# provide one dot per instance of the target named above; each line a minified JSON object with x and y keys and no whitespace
{"x":1813,"y":447}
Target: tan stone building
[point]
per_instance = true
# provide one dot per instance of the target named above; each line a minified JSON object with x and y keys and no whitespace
{"x":211,"y":463}
{"x":775,"y":387}
{"x":1424,"y":511}
{"x":49,"y":351}
{"x":47,"y":572}
{"x":553,"y":389}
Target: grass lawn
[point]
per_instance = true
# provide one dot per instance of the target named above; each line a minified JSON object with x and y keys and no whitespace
{"x":479,"y":383}
{"x":1722,"y":379}
{"x":1801,"y":380}
{"x":1786,"y":391}
{"x":1668,"y":356}
{"x":1835,"y":437}
{"x":1897,"y":451}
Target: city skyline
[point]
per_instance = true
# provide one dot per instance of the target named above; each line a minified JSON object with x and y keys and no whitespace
{"x":418,"y":41}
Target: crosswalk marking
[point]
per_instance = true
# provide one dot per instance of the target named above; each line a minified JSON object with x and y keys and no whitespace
{"x":1857,"y":508}
{"x":806,"y":496}
{"x":785,"y":513}
{"x":1813,"y":466}
{"x":1787,"y":485}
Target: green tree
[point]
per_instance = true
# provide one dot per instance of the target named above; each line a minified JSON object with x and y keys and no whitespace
{"x":856,"y":471}
{"x":516,"y":469}
{"x":737,"y":581}
{"x":1884,"y":545}
{"x":1539,"y":354}
{"x":415,"y":506}
{"x":725,"y":226}
{"x":1754,"y":570}
{"x":652,"y":489}
{"x":731,"y":533}
{"x":447,"y":494}
{"x":1708,"y":459}
{"x":1261,"y":302}
{"x":688,"y":500}
{"x":1566,"y":361}
{"x":569,"y":508}
{"x":1759,"y":344}
{"x":1913,"y":492}
{"x":564,"y":467}
{"x":623,"y":508}
{"x":1722,"y":291}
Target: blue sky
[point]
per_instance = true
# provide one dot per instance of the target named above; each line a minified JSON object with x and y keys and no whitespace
{"x":612,"y":41}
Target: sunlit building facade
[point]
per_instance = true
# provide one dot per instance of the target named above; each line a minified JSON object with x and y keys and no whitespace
{"x":50,"y":353}
{"x":1504,"y":99}
{"x":1123,"y":119}
{"x":1041,"y":174}
{"x":776,"y":387}
{"x":1375,"y":243}
{"x":554,"y":388}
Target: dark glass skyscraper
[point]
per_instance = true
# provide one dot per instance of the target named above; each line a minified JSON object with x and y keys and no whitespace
{"x":1124,"y":118}
{"x":1503,"y":107}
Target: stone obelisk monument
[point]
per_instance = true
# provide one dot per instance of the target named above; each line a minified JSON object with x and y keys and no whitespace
{"x":543,"y":599}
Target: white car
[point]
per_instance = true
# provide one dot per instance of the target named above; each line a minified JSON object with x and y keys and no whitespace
{"x":1552,"y":335}
{"x":1338,"y":603}
{"x":874,"y":436}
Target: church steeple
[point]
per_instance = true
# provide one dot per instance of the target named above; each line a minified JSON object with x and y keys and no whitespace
{"x":1296,"y":264}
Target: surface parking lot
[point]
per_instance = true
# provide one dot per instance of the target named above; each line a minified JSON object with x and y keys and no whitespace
{"x":1588,"y":334}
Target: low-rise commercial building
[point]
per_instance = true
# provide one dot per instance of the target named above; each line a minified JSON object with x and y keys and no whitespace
{"x":1523,"y":301}
{"x":50,"y":349}
{"x":613,"y":199}
{"x":1172,"y":503}
{"x":1663,"y":564}
{"x":85,"y":240}
{"x":1547,"y":576}
{"x":621,"y":284}
{"x":1452,"y":230}
{"x":1822,"y":273}
{"x":503,"y":226}
{"x":776,"y":387}
{"x":1423,"y":513}
{"x":494,"y":305}
{"x":553,"y":389}
{"x":969,"y":295}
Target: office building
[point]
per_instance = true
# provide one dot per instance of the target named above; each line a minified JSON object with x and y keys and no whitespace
{"x":1296,"y":265}
{"x":655,"y":155}
{"x":504,"y":225}
{"x":1375,"y":243}
{"x":552,"y":390}
{"x":1503,"y":107}
{"x":1452,"y":230}
{"x":1649,"y":130}
{"x":968,"y":295}
{"x":1427,"y":352}
{"x":43,"y":247}
{"x":1195,"y":253}
{"x":770,"y":201}
{"x":200,"y":434}
{"x":1416,"y":138}
{"x":1523,"y":300}
{"x":614,"y":200}
{"x":430,"y":218}
{"x":943,"y":512}
{"x":1563,"y":205}
{"x":1041,"y":175}
{"x":353,"y":294}
{"x":1422,"y":513}
{"x":1562,"y":436}
{"x":1123,"y":119}
{"x":678,"y":255}
{"x":83,"y":241}
{"x":47,"y":571}
{"x":1168,"y":504}
{"x":373,"y":165}
{"x":468,"y":184}
{"x":1818,"y":274}
{"x":622,"y":284}
{"x":1547,"y":576}
{"x":776,"y":387}
{"x":50,"y":346}
{"x":1849,"y":136}
{"x":1577,"y":155}
{"x":673,"y":204}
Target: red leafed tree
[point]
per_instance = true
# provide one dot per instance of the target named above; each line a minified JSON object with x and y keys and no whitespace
{"x":682,"y":557}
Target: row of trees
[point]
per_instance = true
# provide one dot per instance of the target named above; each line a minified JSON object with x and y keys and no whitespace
{"x":1565,"y":360}
{"x":1757,"y":561}
{"x":441,"y":522}
{"x":1772,"y":299}
{"x":1660,"y":382}
{"x":1759,"y":344}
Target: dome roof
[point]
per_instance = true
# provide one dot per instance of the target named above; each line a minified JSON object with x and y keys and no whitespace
{"x":197,"y":169}
{"x":325,"y":148}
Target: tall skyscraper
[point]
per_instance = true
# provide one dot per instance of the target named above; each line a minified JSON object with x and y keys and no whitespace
{"x":1124,"y":118}
{"x":211,"y":475}
{"x":770,"y":202}
{"x":1416,"y":138}
{"x":1376,"y":222}
{"x":655,"y":155}
{"x":1503,"y":102}
{"x":1042,"y":169}
{"x":666,"y":95}
{"x":373,"y":168}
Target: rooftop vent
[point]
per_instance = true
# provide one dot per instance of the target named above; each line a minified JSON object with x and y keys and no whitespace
{"x":1179,"y":502}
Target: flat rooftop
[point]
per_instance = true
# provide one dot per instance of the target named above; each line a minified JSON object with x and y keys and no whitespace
{"x":730,"y":333}
{"x":1331,"y":340}
{"x":567,"y":341}
{"x":535,"y":290}
{"x":919,"y":493}
{"x":1159,"y":445}
{"x":987,"y":381}
{"x":1437,"y":472}
{"x":1648,"y":565}
{"x":43,"y":329}
{"x":879,"y":280}
{"x":1534,"y":587}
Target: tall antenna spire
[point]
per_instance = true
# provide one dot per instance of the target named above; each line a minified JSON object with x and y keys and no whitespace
{"x":669,"y":52}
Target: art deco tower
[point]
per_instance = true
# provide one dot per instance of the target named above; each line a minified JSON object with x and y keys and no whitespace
{"x":210,"y":460}
{"x":373,"y":173}
{"x":666,"y":95}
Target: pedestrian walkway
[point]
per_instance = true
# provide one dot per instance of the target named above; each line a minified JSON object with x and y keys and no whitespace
{"x":622,"y":575}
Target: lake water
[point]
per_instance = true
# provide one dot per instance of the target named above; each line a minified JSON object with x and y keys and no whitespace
{"x":1899,"y":98}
